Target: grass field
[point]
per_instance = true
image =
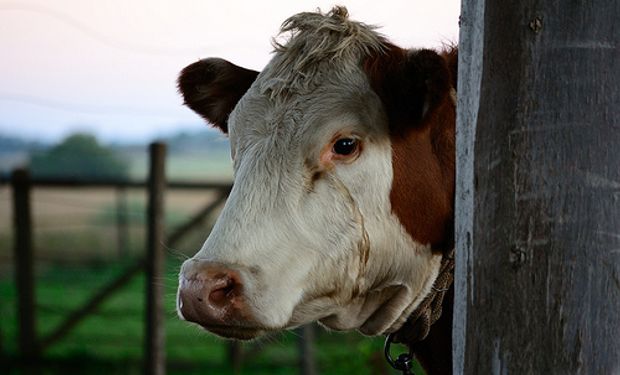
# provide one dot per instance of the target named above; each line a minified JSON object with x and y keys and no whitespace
{"x":111,"y":339}
{"x":75,"y":242}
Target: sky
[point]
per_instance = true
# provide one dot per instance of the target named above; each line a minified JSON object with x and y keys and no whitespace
{"x":109,"y":67}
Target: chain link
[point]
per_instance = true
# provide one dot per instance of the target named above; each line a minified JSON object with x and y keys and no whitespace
{"x":403,"y":363}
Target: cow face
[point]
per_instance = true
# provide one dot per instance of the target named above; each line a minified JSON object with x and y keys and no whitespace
{"x":310,"y":230}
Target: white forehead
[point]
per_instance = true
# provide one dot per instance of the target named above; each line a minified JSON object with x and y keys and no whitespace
{"x":332,"y":94}
{"x":313,"y":85}
{"x":338,"y":103}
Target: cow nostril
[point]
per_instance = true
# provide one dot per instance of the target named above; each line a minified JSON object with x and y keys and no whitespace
{"x":224,"y":293}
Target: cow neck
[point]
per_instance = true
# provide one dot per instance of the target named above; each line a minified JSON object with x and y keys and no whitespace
{"x":419,"y":323}
{"x":434,"y":350}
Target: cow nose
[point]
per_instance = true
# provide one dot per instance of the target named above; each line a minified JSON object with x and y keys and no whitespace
{"x":210,"y":294}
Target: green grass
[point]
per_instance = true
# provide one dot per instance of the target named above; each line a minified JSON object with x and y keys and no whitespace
{"x":111,"y":340}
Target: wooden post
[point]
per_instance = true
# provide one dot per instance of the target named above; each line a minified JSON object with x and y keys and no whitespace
{"x":235,"y":356}
{"x":538,"y":188}
{"x":305,"y":343}
{"x":24,"y":267}
{"x":122,"y":229}
{"x":155,"y":335}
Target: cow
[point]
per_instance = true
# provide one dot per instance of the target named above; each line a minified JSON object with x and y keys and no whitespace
{"x":341,"y":211}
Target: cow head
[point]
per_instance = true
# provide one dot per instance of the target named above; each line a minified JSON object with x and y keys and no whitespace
{"x":343,"y":153}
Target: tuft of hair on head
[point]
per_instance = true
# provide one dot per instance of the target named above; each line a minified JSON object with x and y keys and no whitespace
{"x":312,"y":39}
{"x":317,"y":35}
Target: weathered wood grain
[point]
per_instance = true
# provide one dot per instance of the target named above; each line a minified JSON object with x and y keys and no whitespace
{"x":538,"y":196}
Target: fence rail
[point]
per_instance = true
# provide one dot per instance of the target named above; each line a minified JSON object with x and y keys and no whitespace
{"x":116,"y":183}
{"x":31,"y":347}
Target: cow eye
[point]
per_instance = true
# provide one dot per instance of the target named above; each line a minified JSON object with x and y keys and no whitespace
{"x":345,"y":146}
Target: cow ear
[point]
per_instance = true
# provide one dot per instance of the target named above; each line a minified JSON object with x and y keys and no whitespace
{"x":212,"y":87}
{"x":410,"y":83}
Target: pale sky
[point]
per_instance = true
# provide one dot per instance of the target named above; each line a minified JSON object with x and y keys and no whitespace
{"x":109,"y":67}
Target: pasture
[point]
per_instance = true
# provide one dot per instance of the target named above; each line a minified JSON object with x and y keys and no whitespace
{"x":75,"y":243}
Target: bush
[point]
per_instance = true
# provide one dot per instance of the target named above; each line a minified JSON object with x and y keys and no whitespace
{"x":79,"y":155}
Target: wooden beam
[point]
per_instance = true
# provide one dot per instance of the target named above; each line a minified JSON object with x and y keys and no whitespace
{"x":305,"y":344}
{"x":118,"y":183}
{"x":24,"y":264}
{"x":235,"y":356}
{"x":155,"y":350}
{"x":538,"y":188}
{"x":122,"y":223}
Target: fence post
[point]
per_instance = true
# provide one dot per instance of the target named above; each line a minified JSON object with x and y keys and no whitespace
{"x":235,"y":356}
{"x":24,"y":269}
{"x":155,"y":361}
{"x":122,"y":231}
{"x":305,"y":342}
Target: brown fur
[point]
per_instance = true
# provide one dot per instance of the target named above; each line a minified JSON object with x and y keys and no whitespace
{"x":415,"y":90}
{"x":451,"y":55}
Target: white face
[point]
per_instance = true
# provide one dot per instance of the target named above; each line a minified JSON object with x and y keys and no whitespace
{"x":309,"y":224}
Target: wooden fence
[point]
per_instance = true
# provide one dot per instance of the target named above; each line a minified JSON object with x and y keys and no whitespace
{"x":31,"y":347}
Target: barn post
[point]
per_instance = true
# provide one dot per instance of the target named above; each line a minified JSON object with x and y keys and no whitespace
{"x":24,"y":264}
{"x":155,"y":343}
{"x":538,"y":188}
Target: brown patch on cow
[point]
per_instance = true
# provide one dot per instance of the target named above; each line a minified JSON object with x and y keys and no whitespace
{"x":355,"y":292}
{"x":314,"y":172}
{"x":317,"y":175}
{"x":414,"y":88}
{"x":363,"y":247}
{"x":313,"y":176}
{"x":422,"y":194}
{"x":212,"y":88}
{"x":411,"y":84}
{"x":333,"y":294}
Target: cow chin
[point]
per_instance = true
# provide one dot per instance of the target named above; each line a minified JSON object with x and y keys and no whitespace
{"x":236,"y":333}
{"x":376,"y":313}
{"x":373,"y":313}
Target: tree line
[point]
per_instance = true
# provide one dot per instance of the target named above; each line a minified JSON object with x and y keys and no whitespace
{"x":79,"y":155}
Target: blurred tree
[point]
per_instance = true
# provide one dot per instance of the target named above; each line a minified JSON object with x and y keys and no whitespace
{"x":79,"y":155}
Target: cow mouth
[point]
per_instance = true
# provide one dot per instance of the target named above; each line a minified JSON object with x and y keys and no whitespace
{"x":234,"y":332}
